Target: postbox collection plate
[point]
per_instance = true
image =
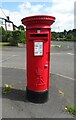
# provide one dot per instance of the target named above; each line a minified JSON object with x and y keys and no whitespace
{"x":38,"y":48}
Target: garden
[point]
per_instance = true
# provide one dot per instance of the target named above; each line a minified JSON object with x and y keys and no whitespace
{"x":12,"y":38}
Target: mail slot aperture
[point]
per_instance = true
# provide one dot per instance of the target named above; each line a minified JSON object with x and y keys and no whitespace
{"x":36,"y":36}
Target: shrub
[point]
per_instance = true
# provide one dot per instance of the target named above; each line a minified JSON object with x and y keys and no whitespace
{"x":8,"y":35}
{"x":1,"y":30}
{"x":14,"y":37}
{"x":21,"y":27}
{"x":17,"y":36}
{"x":3,"y":35}
{"x":22,"y":37}
{"x":12,"y":41}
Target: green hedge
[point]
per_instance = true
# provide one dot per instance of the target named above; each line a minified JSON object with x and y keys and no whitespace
{"x":18,"y":36}
{"x":22,"y":38}
{"x":3,"y":35}
{"x":14,"y":37}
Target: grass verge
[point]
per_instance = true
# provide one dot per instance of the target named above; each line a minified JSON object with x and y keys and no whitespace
{"x":59,"y":46}
{"x":71,"y":110}
{"x":4,"y":43}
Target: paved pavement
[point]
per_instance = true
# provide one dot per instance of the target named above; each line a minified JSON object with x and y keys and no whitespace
{"x":16,"y":104}
{"x":62,"y":60}
{"x":62,"y":79}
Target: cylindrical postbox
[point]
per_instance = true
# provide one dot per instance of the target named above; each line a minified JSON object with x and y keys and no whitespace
{"x":38,"y":37}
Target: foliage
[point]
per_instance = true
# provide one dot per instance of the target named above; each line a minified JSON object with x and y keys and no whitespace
{"x":3,"y":33}
{"x":54,"y":36}
{"x":8,"y":35}
{"x":65,"y":35}
{"x":12,"y":41}
{"x":74,"y":34}
{"x":14,"y":37}
{"x":6,"y":89}
{"x":21,"y":27}
{"x":59,"y":46}
{"x":22,"y":37}
{"x":4,"y":44}
{"x":18,"y":36}
{"x":1,"y":30}
{"x":71,"y":109}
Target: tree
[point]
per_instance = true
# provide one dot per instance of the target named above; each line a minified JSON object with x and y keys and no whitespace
{"x":74,"y":34}
{"x":3,"y":34}
{"x":65,"y":32}
{"x":2,"y":31}
{"x":21,"y":27}
{"x":54,"y":36}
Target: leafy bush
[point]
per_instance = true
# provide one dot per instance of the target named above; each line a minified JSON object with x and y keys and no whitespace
{"x":22,"y":37}
{"x":8,"y":35}
{"x":17,"y":36}
{"x":54,"y":36}
{"x":3,"y":33}
{"x":1,"y":30}
{"x":74,"y":34}
{"x":21,"y":27}
{"x":14,"y":37}
{"x":12,"y":41}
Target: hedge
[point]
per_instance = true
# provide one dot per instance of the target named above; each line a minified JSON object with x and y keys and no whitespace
{"x":18,"y":36}
{"x":14,"y":37}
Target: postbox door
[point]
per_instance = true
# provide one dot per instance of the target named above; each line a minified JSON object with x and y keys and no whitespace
{"x":41,"y":56}
{"x":38,"y":59}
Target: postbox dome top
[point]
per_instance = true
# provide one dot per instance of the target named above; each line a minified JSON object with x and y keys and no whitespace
{"x":38,"y":19}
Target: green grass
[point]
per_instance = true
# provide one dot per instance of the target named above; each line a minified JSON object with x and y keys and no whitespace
{"x":6,"y":89}
{"x":71,"y":110}
{"x":4,"y":43}
{"x":59,"y":46}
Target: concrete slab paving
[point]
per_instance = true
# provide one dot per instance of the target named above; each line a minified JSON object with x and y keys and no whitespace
{"x":15,"y":104}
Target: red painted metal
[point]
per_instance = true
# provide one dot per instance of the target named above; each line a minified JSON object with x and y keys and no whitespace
{"x":38,"y":67}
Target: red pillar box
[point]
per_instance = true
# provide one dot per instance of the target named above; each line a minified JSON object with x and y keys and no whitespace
{"x":38,"y":36}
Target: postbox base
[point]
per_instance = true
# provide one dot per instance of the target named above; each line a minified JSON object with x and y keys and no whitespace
{"x":37,"y":97}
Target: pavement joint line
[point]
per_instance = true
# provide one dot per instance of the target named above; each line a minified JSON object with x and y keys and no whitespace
{"x":56,"y":45}
{"x":61,"y":53}
{"x":64,"y":76}
{"x":57,"y":53}
{"x":7,"y":54}
{"x":13,"y":67}
{"x":53,"y":45}
{"x":8,"y":58}
{"x":50,"y":53}
{"x":50,"y":73}
{"x":70,"y":53}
